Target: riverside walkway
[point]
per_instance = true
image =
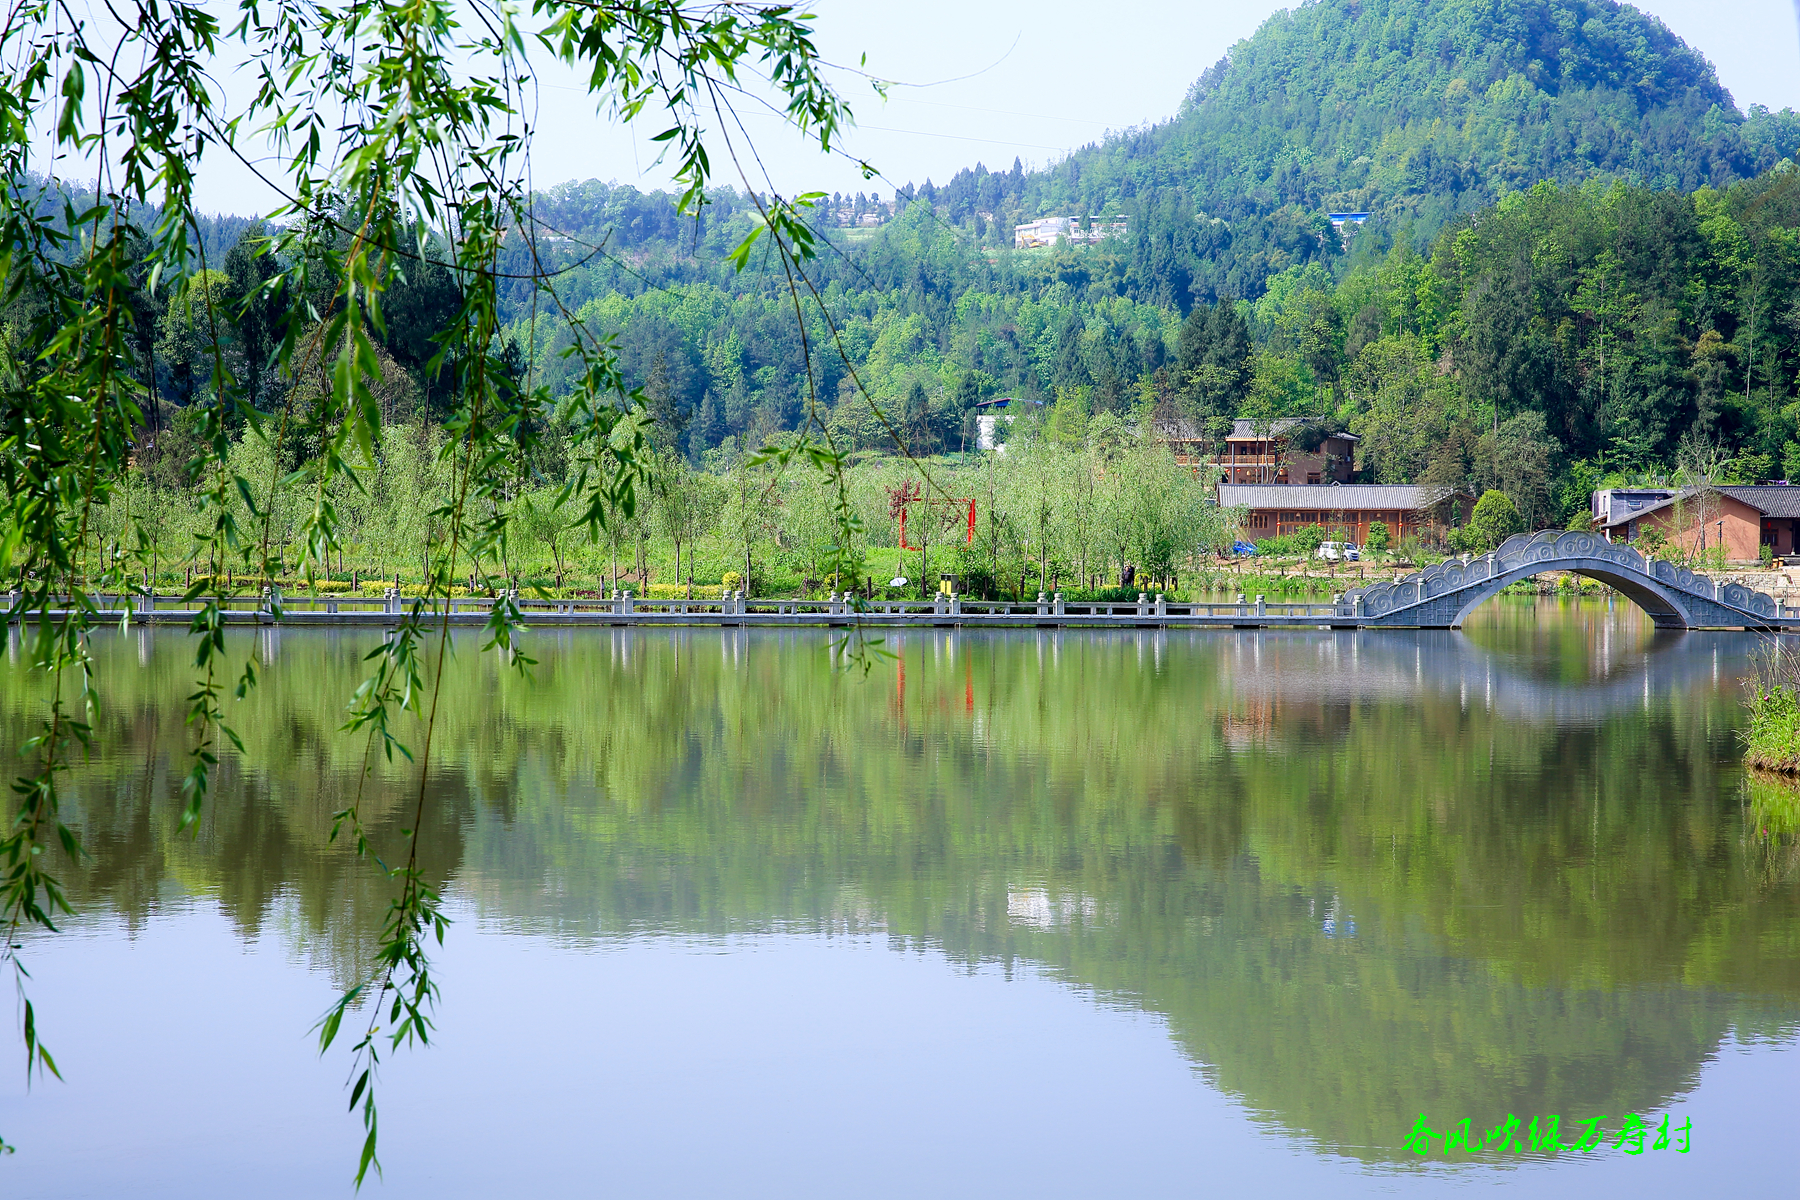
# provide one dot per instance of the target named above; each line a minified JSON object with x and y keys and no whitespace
{"x":1439,"y":597}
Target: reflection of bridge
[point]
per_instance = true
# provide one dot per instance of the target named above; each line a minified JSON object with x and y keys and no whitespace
{"x":1319,"y":669}
{"x":1441,"y":596}
{"x":1625,"y":667}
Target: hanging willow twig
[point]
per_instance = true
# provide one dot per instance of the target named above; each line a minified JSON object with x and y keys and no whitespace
{"x":401,"y":149}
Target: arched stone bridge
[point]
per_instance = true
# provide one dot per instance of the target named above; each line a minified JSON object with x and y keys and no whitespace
{"x":1442,"y":595}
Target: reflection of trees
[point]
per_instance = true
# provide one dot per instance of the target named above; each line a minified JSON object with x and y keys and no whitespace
{"x":1551,"y":917}
{"x":263,"y":846}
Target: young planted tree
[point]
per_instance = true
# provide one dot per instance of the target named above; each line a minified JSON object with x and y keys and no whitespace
{"x":1375,"y":545}
{"x":750,"y":513}
{"x":1030,"y":500}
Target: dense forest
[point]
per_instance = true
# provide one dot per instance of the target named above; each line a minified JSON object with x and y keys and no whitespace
{"x":1582,"y":264}
{"x":1562,"y":335}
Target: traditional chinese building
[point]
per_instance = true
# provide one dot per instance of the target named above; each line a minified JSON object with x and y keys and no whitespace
{"x":1272,"y":452}
{"x":1345,"y":511}
{"x":1290,"y":450}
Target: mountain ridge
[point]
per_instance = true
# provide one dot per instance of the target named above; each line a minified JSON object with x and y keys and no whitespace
{"x":1421,"y":111}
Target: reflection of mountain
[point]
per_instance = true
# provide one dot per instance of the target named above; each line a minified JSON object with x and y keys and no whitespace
{"x":1550,"y":915}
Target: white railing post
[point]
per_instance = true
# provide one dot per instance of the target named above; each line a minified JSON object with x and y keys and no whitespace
{"x":1261,"y":608}
{"x":1162,"y":605}
{"x":1143,"y":604}
{"x":1060,"y":611}
{"x":629,"y":606}
{"x":1042,"y":609}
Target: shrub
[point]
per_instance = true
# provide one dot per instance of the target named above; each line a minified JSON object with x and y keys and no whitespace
{"x":1494,"y":520}
{"x":1773,"y":740}
{"x":1301,"y":543}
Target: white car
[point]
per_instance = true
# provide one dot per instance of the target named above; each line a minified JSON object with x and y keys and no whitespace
{"x":1338,"y":552}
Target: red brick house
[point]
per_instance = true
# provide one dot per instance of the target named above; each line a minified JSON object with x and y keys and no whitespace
{"x":1744,"y":519}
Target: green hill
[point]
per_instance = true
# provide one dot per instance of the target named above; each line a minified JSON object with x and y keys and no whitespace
{"x":1418,"y":111}
{"x":1470,"y":128}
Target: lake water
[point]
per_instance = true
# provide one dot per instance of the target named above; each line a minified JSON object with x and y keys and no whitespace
{"x":1024,"y":914}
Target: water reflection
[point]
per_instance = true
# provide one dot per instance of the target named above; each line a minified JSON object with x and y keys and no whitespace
{"x":1361,"y":875}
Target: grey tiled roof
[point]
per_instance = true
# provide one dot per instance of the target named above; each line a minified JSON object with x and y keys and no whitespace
{"x":1404,"y":497}
{"x":1243,"y":428}
{"x":1773,"y":501}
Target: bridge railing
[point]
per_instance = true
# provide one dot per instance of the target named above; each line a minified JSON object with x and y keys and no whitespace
{"x":1050,"y":608}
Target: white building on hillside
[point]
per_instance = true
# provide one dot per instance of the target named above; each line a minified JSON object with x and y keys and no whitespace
{"x":1047,"y":231}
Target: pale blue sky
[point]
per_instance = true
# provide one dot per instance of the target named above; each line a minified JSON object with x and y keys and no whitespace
{"x":1050,"y":75}
{"x":1044,"y":77}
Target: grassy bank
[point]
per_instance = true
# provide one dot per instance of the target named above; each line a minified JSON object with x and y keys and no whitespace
{"x":1772,"y":741}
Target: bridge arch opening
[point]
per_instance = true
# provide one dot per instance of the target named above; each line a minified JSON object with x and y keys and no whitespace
{"x":1656,"y":603}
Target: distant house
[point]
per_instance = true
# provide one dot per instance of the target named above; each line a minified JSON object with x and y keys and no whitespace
{"x":1615,"y":506}
{"x":1182,"y":436}
{"x":989,"y":416}
{"x":1048,"y":231}
{"x":1347,"y":510}
{"x":1270,"y":454}
{"x":1744,"y":519}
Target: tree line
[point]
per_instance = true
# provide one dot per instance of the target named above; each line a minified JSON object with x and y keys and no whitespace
{"x":1556,"y":341}
{"x":1081,"y":507}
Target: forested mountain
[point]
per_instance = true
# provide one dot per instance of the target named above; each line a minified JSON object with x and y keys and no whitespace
{"x":1582,"y":259}
{"x":1419,"y":111}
